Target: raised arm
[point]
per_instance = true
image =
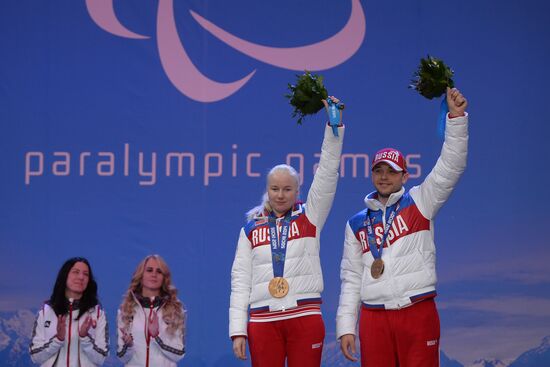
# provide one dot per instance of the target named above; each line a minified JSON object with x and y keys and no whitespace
{"x":323,"y":188}
{"x":438,"y":185}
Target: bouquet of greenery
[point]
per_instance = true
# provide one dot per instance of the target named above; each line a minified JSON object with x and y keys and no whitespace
{"x":306,"y":95}
{"x":432,"y":78}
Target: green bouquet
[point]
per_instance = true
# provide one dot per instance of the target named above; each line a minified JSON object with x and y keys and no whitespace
{"x":432,"y":78}
{"x":306,"y":95}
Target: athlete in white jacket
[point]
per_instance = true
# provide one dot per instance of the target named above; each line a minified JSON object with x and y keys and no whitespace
{"x":392,"y":286}
{"x":71,"y":328}
{"x":274,"y":303}
{"x":151,"y":319}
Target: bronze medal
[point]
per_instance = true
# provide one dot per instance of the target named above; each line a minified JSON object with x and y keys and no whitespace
{"x":377,"y":268}
{"x":278,"y":287}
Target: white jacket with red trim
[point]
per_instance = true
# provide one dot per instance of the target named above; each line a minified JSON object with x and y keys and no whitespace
{"x":252,"y":267}
{"x":164,"y":351}
{"x":409,"y":252}
{"x":47,"y":350}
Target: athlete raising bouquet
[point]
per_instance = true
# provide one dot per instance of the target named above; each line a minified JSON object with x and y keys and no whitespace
{"x":388,"y":265}
{"x":276,"y":279}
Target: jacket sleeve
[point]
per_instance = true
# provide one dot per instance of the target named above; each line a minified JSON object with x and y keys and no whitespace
{"x":438,"y":185}
{"x":171,"y":345}
{"x":124,"y":351}
{"x":41,"y":349}
{"x":241,"y":285}
{"x":96,"y":346}
{"x":351,"y":275}
{"x":323,"y":188}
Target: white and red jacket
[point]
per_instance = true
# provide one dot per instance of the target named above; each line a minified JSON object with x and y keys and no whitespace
{"x":253,"y":270}
{"x":409,"y":251}
{"x":47,"y":350}
{"x":164,"y":350}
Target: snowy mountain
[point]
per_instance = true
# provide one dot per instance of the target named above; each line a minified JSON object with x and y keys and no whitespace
{"x":16,"y":329}
{"x":488,"y":363}
{"x":445,"y":361}
{"x":15,"y":332}
{"x":539,"y":356}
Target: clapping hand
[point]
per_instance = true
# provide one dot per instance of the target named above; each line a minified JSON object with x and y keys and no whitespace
{"x":61,"y":327}
{"x":153,"y":325}
{"x":85,"y":326}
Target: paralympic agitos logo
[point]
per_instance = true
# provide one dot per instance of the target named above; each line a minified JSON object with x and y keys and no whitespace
{"x":189,"y":80}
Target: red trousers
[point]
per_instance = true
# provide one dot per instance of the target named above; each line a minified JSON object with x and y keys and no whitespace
{"x":299,"y":340}
{"x":408,"y":337}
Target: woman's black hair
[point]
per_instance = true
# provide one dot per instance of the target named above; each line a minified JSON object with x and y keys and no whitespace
{"x":60,"y":303}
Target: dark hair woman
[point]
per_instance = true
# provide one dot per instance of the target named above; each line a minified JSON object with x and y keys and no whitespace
{"x":71,"y":327}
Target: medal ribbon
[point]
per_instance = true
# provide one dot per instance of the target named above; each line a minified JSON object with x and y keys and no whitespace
{"x":334,"y":115}
{"x":278,"y":243}
{"x":443,"y":110}
{"x":371,"y":239}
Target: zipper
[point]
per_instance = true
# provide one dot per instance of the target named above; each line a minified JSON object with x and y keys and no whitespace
{"x":148,"y":336}
{"x":70,"y":327}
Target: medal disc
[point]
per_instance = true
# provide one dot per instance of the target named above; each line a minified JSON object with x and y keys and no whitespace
{"x":377,"y":268}
{"x":278,"y":287}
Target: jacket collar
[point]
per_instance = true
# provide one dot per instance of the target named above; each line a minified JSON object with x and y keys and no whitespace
{"x":371,"y":200}
{"x":297,"y":209}
{"x":146,"y":302}
{"x":75,"y":303}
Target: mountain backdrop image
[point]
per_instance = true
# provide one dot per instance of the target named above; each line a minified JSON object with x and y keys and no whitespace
{"x":16,"y":329}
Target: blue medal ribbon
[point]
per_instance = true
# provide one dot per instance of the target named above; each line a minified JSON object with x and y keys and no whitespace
{"x":377,"y":252}
{"x":279,"y":242}
{"x":334,"y":115}
{"x":443,"y":110}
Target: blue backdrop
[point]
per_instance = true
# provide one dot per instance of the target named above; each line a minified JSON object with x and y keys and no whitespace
{"x":138,"y":127}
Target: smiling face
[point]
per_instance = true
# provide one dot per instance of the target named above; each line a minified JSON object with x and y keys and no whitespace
{"x":152,"y":279}
{"x":282,"y":191}
{"x":77,"y":280}
{"x":387,"y":180}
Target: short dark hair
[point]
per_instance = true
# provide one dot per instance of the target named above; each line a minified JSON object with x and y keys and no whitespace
{"x":59,"y":302}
